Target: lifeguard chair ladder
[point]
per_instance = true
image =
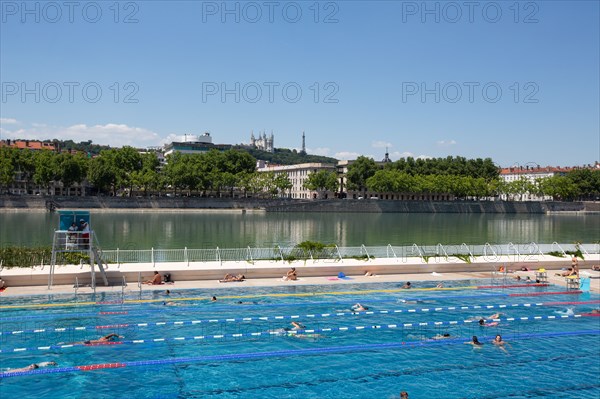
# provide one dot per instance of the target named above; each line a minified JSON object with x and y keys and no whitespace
{"x":75,"y":235}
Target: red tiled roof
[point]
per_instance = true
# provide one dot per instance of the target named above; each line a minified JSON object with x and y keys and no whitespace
{"x":28,"y":144}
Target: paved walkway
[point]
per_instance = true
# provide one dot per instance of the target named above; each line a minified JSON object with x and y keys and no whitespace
{"x":275,"y":282}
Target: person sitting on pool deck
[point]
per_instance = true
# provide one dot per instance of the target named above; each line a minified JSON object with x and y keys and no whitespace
{"x":156,"y":279}
{"x":33,"y":367}
{"x":291,"y":275}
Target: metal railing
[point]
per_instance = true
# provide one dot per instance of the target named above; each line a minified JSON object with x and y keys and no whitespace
{"x":333,"y":252}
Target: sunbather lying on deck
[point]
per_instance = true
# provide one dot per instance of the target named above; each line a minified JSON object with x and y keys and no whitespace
{"x":229,"y":278}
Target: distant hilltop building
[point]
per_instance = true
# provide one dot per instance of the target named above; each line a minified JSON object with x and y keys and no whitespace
{"x":263,"y":142}
{"x":193,"y":144}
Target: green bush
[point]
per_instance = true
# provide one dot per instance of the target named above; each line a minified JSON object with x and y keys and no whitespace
{"x":13,"y":256}
{"x":463,"y":257}
{"x":318,"y":250}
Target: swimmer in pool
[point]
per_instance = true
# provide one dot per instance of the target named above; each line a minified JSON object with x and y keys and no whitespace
{"x":490,"y":317}
{"x":500,"y":343}
{"x":441,"y":336}
{"x":101,"y":340}
{"x":567,"y":312}
{"x":414,"y":301}
{"x":297,"y":326}
{"x":482,"y":323}
{"x":359,"y":308}
{"x":32,"y":367}
{"x":475,"y":342}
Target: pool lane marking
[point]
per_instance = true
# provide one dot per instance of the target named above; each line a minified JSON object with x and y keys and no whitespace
{"x":284,"y":317}
{"x":270,"y":305}
{"x":298,"y":332}
{"x":548,"y":293}
{"x":284,"y":353}
{"x":280,"y":295}
{"x":231,"y":305}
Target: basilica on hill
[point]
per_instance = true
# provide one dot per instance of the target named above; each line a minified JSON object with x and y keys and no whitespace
{"x":263,"y":142}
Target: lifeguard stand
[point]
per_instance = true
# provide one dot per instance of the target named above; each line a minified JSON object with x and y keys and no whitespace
{"x":75,"y":234}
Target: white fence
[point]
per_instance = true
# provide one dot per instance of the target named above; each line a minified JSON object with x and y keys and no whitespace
{"x":334,"y":252}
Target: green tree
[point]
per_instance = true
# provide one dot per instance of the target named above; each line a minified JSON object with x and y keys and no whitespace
{"x":322,"y":181}
{"x":384,"y":181}
{"x":7,"y":166}
{"x":147,"y":178}
{"x":358,"y":173}
{"x":283,"y":183}
{"x":70,"y":169}
{"x":587,"y":182}
{"x":127,"y":161}
{"x":45,"y":168}
{"x":559,"y":187}
{"x":101,"y":174}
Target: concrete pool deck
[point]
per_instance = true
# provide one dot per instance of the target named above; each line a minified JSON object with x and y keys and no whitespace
{"x":334,"y":282}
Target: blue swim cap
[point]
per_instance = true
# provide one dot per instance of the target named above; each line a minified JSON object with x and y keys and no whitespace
{"x":341,"y":275}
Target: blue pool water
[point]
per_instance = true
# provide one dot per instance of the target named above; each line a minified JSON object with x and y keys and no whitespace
{"x":184,"y":346}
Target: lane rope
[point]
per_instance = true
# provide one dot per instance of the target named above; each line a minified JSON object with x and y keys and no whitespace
{"x":303,"y":332}
{"x":214,"y":306}
{"x":282,"y":353}
{"x":275,"y":295}
{"x":280,"y":317}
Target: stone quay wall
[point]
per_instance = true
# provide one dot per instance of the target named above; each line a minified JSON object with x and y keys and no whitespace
{"x":16,"y":202}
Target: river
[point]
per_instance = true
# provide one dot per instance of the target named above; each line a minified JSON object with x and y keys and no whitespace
{"x":168,"y":230}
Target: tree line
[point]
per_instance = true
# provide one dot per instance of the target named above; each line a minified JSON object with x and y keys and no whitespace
{"x":118,"y":171}
{"x":125,"y":171}
{"x":465,"y":178}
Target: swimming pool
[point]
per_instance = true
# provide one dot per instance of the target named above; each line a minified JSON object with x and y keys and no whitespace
{"x":182,"y":345}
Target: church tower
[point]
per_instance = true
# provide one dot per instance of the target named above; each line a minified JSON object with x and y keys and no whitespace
{"x":387,"y":156}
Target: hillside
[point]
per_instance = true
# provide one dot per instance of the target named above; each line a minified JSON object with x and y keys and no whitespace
{"x":284,"y":156}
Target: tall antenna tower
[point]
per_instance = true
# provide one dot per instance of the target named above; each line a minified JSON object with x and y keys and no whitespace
{"x":303,"y":151}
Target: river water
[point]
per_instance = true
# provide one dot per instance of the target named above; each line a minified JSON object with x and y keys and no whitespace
{"x":169,"y":230}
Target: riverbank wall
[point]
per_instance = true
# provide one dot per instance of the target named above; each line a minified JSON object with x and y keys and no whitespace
{"x":13,"y":202}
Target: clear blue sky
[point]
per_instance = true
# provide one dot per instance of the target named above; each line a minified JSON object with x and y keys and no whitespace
{"x":421,"y":78}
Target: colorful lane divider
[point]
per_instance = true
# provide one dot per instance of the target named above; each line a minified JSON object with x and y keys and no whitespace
{"x":575,"y":292}
{"x":285,"y":317}
{"x":303,"y":332}
{"x":283,"y":353}
{"x":275,"y":295}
